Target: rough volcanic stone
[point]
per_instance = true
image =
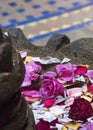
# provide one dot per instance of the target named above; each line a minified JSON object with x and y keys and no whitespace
{"x":57,"y":41}
{"x":79,"y":51}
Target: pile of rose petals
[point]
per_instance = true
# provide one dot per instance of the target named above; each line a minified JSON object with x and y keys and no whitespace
{"x":61,"y":99}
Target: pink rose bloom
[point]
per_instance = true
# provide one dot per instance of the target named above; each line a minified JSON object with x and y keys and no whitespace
{"x":81,"y":70}
{"x":66,"y":71}
{"x":48,"y":102}
{"x":31,"y":73}
{"x":34,"y":76}
{"x":32,"y":67}
{"x":51,"y":88}
{"x":48,"y":74}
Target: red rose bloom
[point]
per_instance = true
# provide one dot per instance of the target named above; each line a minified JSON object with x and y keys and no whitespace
{"x":81,"y":109}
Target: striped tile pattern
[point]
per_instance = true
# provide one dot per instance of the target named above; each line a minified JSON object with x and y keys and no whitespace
{"x":41,"y":18}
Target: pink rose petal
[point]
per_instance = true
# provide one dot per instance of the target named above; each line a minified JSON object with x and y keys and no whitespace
{"x":69,"y":101}
{"x":81,"y":70}
{"x":31,"y":93}
{"x":74,"y":92}
{"x":89,"y":73}
{"x":43,"y":125}
{"x":90,"y":88}
{"x":31,"y":99}
{"x":48,"y":102}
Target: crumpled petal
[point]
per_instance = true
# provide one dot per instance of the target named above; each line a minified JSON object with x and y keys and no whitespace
{"x":31,"y":93}
{"x":81,"y":70}
{"x":46,"y":60}
{"x":74,"y":92}
{"x":87,"y":126}
{"x":89,"y":74}
{"x":48,"y":102}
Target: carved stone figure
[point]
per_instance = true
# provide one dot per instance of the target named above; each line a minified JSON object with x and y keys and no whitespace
{"x":14,"y":112}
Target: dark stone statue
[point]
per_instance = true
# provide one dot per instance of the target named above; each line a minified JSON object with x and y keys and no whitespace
{"x":14,"y":112}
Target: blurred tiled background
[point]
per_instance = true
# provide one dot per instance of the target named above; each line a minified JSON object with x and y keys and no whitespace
{"x":39,"y":19}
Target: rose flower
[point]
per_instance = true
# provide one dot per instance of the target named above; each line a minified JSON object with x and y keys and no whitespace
{"x":81,"y":109}
{"x":50,"y":88}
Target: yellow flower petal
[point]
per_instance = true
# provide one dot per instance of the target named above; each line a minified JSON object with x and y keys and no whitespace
{"x":64,"y":128}
{"x":28,"y":59}
{"x":73,"y":125}
{"x":87,"y":98}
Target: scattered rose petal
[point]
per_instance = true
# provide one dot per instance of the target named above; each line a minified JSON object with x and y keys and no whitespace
{"x":73,"y":125}
{"x":69,"y":101}
{"x":65,"y":60}
{"x":60,"y":99}
{"x":48,"y":102}
{"x":74,"y":92}
{"x":89,"y":74}
{"x":81,"y":70}
{"x":46,"y":60}
{"x":48,"y":74}
{"x":59,"y":126}
{"x":87,"y":126}
{"x":31,"y":93}
{"x":43,"y":125}
{"x":90,"y":88}
{"x":23,"y":54}
{"x":31,"y":99}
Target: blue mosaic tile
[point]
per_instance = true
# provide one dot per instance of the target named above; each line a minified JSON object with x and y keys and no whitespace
{"x":52,"y":2}
{"x":46,"y":12}
{"x":12,"y":4}
{"x":32,"y":18}
{"x":76,"y":4}
{"x":22,"y":6}
{"x":5,"y":14}
{"x":61,"y":8}
{"x":27,"y":0}
{"x":21,"y":10}
{"x":14,"y":21}
{"x":36,"y":6}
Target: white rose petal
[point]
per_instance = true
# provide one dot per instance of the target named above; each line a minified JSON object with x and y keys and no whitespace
{"x":65,"y":60}
{"x":59,"y":126}
{"x":46,"y":60}
{"x":57,"y":110}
